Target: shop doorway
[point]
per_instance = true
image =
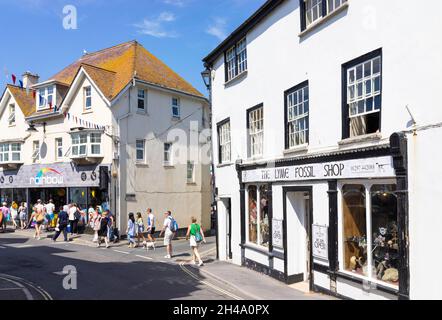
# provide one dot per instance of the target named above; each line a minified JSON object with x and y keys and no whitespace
{"x":298,"y":215}
{"x":58,"y":195}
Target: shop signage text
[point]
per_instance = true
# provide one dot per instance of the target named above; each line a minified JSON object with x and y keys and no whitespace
{"x":320,"y":241}
{"x":42,"y":178}
{"x":360,"y":168}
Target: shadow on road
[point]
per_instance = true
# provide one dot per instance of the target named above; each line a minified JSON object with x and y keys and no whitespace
{"x":97,"y":276}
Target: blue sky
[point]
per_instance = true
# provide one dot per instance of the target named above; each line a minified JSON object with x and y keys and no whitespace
{"x":179,"y":32}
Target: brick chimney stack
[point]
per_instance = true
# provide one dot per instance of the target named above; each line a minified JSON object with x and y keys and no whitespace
{"x":29,"y":79}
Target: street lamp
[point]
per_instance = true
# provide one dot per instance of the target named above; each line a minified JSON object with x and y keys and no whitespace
{"x":207,"y":78}
{"x":31,"y":128}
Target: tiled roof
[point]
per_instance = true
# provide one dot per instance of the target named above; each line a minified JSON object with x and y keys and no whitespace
{"x":25,"y":100}
{"x":114,"y":68}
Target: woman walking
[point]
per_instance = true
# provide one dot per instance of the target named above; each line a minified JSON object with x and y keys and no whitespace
{"x":95,"y":223}
{"x":140,"y":230}
{"x":195,"y":234}
{"x":39,"y":218}
{"x":23,"y":215}
{"x":150,"y":228}
{"x":104,"y":229}
{"x":131,"y":230}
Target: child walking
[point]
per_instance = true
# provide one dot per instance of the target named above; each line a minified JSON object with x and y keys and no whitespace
{"x":140,"y":230}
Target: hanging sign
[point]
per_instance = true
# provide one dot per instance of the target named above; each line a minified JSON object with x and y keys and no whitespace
{"x":277,"y":234}
{"x":320,"y":241}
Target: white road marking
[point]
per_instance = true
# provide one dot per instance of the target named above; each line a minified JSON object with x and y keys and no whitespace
{"x":124,"y":252}
{"x":44,"y":293}
{"x":24,"y":246}
{"x":1,"y":247}
{"x":231,"y":295}
{"x":147,"y":258}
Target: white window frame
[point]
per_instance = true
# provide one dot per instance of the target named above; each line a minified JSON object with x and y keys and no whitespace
{"x":5,"y":150}
{"x":176,"y":107}
{"x":87,"y":97}
{"x":95,"y":140}
{"x":44,"y":97}
{"x":142,"y":149}
{"x":36,"y":150}
{"x":333,"y":5}
{"x":143,"y":98}
{"x":341,"y":253}
{"x":362,"y":96}
{"x":190,"y":164}
{"x":225,"y":143}
{"x":298,"y":117}
{"x":256,"y":131}
{"x":168,"y":153}
{"x":312,"y":7}
{"x":12,"y":114}
{"x":236,"y":60}
{"x":58,"y":148}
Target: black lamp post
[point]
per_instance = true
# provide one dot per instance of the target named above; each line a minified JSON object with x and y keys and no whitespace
{"x":31,"y":128}
{"x":207,"y":78}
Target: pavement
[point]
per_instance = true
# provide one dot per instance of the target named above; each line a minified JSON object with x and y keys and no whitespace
{"x":40,"y":270}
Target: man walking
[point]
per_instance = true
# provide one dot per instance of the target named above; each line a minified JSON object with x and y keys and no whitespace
{"x":62,"y":224}
{"x":169,"y":229}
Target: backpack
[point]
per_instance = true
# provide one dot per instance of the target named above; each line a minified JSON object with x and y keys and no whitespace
{"x":173,"y":225}
{"x":77,"y":215}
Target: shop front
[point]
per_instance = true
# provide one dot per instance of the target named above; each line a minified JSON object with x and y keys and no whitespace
{"x":335,"y":222}
{"x":62,"y":182}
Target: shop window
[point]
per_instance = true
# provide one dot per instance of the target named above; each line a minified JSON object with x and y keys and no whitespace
{"x":371,"y":247}
{"x":258,"y":215}
{"x":384,"y":233}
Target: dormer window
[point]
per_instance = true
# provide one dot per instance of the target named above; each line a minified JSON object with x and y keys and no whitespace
{"x":87,"y":98}
{"x":46,"y":98}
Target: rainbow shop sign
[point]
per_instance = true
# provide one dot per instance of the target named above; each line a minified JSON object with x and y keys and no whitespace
{"x":47,"y":176}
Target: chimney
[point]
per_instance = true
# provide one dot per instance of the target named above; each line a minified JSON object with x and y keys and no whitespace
{"x":29,"y":79}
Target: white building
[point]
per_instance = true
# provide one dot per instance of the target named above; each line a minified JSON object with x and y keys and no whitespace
{"x":103,"y":131}
{"x":332,"y":183}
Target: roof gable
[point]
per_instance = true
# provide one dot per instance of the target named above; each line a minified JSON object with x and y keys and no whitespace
{"x":114,"y":68}
{"x":24,"y":99}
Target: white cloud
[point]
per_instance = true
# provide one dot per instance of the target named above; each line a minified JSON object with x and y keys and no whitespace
{"x":218,"y":28}
{"x":155,"y":27}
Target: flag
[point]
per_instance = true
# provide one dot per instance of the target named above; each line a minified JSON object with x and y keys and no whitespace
{"x":65,"y":114}
{"x":50,"y":105}
{"x":14,"y":78}
{"x":21,"y":83}
{"x":34,"y":94}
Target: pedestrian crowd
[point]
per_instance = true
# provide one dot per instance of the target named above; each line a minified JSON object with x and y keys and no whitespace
{"x":102,"y":222}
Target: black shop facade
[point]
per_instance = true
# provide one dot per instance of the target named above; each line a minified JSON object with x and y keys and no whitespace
{"x":336,"y":222}
{"x":64,"y":183}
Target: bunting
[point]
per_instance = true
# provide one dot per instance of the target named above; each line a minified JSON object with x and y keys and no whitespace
{"x":14,"y":78}
{"x":82,"y":122}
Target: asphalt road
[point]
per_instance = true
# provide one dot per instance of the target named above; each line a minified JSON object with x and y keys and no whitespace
{"x":34,"y":270}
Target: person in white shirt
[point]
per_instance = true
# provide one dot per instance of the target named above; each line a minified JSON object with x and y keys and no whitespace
{"x":151,"y":227}
{"x":50,"y":208}
{"x":72,"y":219}
{"x":168,"y":233}
{"x":39,"y":205}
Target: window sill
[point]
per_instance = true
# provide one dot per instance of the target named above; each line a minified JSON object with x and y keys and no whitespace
{"x":385,"y":287}
{"x":256,"y":248}
{"x":142,"y":165}
{"x":143,"y":113}
{"x":168,"y":166}
{"x":238,"y":77}
{"x":360,"y":139}
{"x":191,"y":183}
{"x":297,"y":149}
{"x":323,"y":20}
{"x":87,"y":111}
{"x":223,"y":165}
{"x":176,"y":118}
